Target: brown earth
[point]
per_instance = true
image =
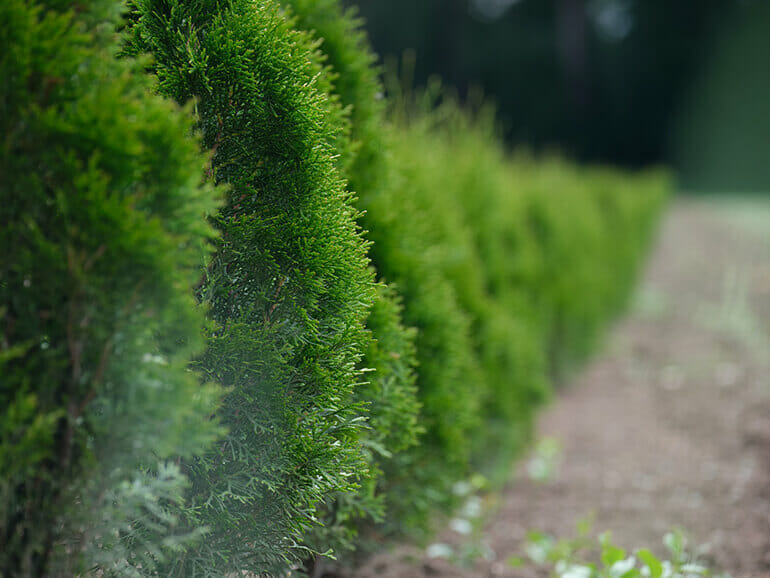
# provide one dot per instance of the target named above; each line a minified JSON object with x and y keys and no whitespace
{"x":668,"y":428}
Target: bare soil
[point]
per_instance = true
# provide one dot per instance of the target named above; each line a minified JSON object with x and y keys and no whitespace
{"x":669,"y":427}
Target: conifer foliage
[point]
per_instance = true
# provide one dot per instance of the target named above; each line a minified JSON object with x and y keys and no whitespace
{"x":407,"y":245}
{"x":390,"y":393}
{"x":289,"y":287}
{"x":338,"y":403}
{"x":508,"y":268}
{"x":101,"y":238}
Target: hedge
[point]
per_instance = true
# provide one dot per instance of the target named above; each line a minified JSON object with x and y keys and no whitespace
{"x":489,"y":253}
{"x":289,"y":286}
{"x":390,"y":389}
{"x":102,"y":236}
{"x":558,"y":247}
{"x":350,"y":405}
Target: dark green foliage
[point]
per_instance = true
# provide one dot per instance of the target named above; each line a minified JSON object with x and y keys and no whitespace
{"x":357,"y":84}
{"x":394,"y":420}
{"x":389,"y":403}
{"x":390,"y":392}
{"x":289,"y":286}
{"x":102,"y":235}
{"x":719,"y":139}
{"x":559,"y":71}
{"x":451,"y":191}
{"x":408,"y":250}
{"x":391,"y":356}
{"x":402,"y":226}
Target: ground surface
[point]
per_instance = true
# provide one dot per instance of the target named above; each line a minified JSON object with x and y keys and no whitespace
{"x":668,"y":427}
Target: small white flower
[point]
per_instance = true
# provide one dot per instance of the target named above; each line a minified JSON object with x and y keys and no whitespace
{"x":693,"y":569}
{"x":462,"y":488}
{"x":439,"y":550}
{"x":472,"y":507}
{"x":575,"y":571}
{"x":461,"y":526}
{"x":620,"y":567}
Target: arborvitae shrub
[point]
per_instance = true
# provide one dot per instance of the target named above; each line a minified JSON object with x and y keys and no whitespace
{"x":406,"y":249}
{"x":560,"y":244}
{"x":609,"y":215}
{"x":289,"y":286}
{"x":389,"y":402}
{"x":508,"y":267}
{"x":456,"y":171}
{"x":344,"y":43}
{"x":102,"y":233}
{"x":541,"y":255}
{"x":389,"y":393}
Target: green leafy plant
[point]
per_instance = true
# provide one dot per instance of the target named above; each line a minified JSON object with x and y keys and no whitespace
{"x":570,"y":558}
{"x":506,"y":268}
{"x":349,"y":403}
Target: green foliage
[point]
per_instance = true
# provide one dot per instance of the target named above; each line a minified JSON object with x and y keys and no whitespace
{"x":508,"y":267}
{"x":356,"y":82}
{"x":101,"y":236}
{"x":348,"y":403}
{"x":289,"y":286}
{"x":388,"y":401}
{"x":390,"y":391}
{"x":719,"y":141}
{"x":540,"y":256}
{"x":529,"y":217}
{"x":583,"y":557}
{"x":419,"y":479}
{"x":459,"y":173}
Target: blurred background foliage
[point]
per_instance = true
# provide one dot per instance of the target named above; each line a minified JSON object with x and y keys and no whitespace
{"x":625,"y":82}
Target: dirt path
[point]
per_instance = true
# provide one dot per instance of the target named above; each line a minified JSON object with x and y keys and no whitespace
{"x":669,"y":427}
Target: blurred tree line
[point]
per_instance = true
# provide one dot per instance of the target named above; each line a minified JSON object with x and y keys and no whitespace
{"x":602,"y":80}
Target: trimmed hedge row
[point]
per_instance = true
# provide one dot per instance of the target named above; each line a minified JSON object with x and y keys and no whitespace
{"x":545,"y":256}
{"x":509,"y":267}
{"x":535,"y":257}
{"x":350,"y":406}
{"x":417,"y":480}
